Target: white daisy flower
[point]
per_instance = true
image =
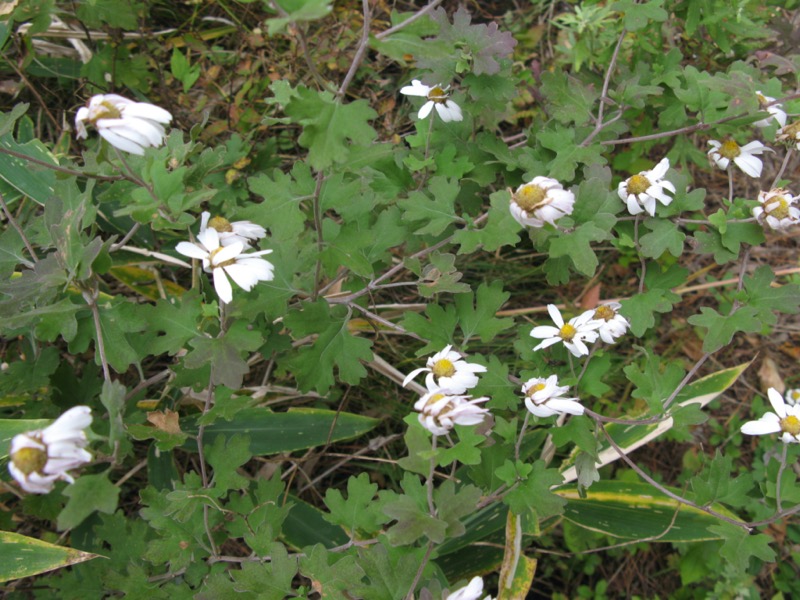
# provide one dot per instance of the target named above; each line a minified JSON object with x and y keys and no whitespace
{"x":613,"y":324}
{"x":574,"y":334}
{"x":437,"y":97}
{"x":472,"y":591}
{"x":543,"y":397}
{"x":775,"y":111}
{"x":39,"y":458}
{"x":447,"y":369}
{"x":224,"y":261}
{"x":785,"y":420}
{"x":792,"y":397}
{"x":125,"y":124}
{"x":244,"y":232}
{"x":541,"y":200}
{"x":641,"y":191}
{"x":440,"y":409}
{"x":789,"y":134}
{"x":722,"y":153}
{"x":777,"y":209}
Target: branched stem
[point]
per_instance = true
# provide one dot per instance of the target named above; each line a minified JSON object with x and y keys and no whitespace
{"x":91,"y":299}
{"x":318,"y":227}
{"x":358,"y":57}
{"x":16,"y":226}
{"x":521,"y":435}
{"x":782,"y":169}
{"x":599,"y":125}
{"x":642,"y":261}
{"x":420,"y":13}
{"x":780,"y":475}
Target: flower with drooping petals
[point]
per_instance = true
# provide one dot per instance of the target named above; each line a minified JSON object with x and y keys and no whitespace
{"x":785,"y":420}
{"x":471,"y":591}
{"x":777,"y":208}
{"x":775,"y":111}
{"x":641,"y":191}
{"x":125,"y":124}
{"x":437,"y":97}
{"x":613,"y":324}
{"x":544,"y":398}
{"x":229,"y":233}
{"x":722,"y":153}
{"x":228,"y":261}
{"x":440,"y":409}
{"x":789,"y":134}
{"x":574,"y":334}
{"x":39,"y":458}
{"x":541,"y":200}
{"x":447,"y":369}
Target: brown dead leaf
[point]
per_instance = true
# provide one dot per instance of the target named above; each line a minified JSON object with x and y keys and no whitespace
{"x":769,"y":376}
{"x":165,"y":421}
{"x":591,"y":298}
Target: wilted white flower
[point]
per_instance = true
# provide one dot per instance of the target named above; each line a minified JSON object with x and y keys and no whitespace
{"x":722,"y":153}
{"x":229,"y":233}
{"x":785,"y":419}
{"x":540,"y":201}
{"x":574,"y":333}
{"x":613,"y":324}
{"x":440,"y":409}
{"x":447,"y":369}
{"x":543,"y":397}
{"x":789,"y":134}
{"x":437,"y":97}
{"x":641,"y":191}
{"x":471,"y":591}
{"x":245,"y":269}
{"x":777,"y":209}
{"x":775,"y":111}
{"x":792,"y":397}
{"x":39,"y":458}
{"x":125,"y":124}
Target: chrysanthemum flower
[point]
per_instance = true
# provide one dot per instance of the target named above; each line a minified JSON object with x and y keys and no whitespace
{"x":542,"y":200}
{"x":472,"y":591}
{"x":613,"y":324}
{"x":544,"y":398}
{"x":447,"y":369}
{"x":792,"y":397}
{"x":223,"y":261}
{"x":125,"y":124}
{"x":39,"y":458}
{"x":722,"y":153}
{"x":785,"y":420}
{"x":574,"y":334}
{"x":440,"y":409}
{"x":244,"y":232}
{"x":641,"y":191}
{"x":437,"y":97}
{"x":789,"y":134}
{"x":777,"y":209}
{"x":775,"y":111}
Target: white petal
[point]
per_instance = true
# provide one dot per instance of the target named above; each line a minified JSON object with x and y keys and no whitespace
{"x":545,"y":331}
{"x":413,"y":374}
{"x":566,"y":405}
{"x":223,"y":286}
{"x":777,"y":402}
{"x":767,"y":424}
{"x":555,"y":314}
{"x":750,"y":164}
{"x":121,"y":142}
{"x":191,"y":250}
{"x":425,"y":110}
{"x":415,"y":89}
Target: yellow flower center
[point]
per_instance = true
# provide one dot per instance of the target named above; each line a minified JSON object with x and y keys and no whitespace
{"x":536,"y":388}
{"x":777,"y":207}
{"x":606,"y":313}
{"x":762,"y":101}
{"x":790,"y":424}
{"x":227,"y":263}
{"x":794,"y":395}
{"x":443,"y":368}
{"x":221,"y":224}
{"x":729,"y":150}
{"x":638,"y":184}
{"x":105,"y":110}
{"x":530,"y":197}
{"x":567,"y":332}
{"x":30,"y":460}
{"x":790,"y":132}
{"x":438,"y":95}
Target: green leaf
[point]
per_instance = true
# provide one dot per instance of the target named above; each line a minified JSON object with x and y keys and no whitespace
{"x":466,"y":450}
{"x":715,"y":483}
{"x":328,"y":124}
{"x":638,"y":15}
{"x":663,"y":236}
{"x":578,"y":431}
{"x":88,"y":494}
{"x":19,"y":177}
{"x":767,"y":299}
{"x":313,"y":364}
{"x":112,"y":398}
{"x":439,"y":327}
{"x":330,"y":580}
{"x":296,"y":429}
{"x":298,"y":10}
{"x":22,"y":556}
{"x":436,"y":209}
{"x":226,"y":455}
{"x":480,"y":320}
{"x":634,"y":511}
{"x":640,"y":309}
{"x":452,"y":506}
{"x":360,"y":512}
{"x":721,"y":328}
{"x":568,"y":152}
{"x":577,"y":246}
{"x":410,"y":510}
{"x":282,"y":206}
{"x":440,"y":276}
{"x":391,"y":571}
{"x":224,"y":354}
{"x":305,"y":525}
{"x":739,"y":545}
{"x":270,"y":580}
{"x":500,"y":229}
{"x":656,"y":381}
{"x":568,"y":99}
{"x":172,"y":323}
{"x":534,"y":492}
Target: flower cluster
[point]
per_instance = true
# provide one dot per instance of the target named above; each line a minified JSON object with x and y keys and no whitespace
{"x":437,"y":97}
{"x":604,"y":322}
{"x":40,"y":458}
{"x":541,"y":200}
{"x":777,"y":208}
{"x":223,"y":255}
{"x":446,"y":403}
{"x":544,"y":398}
{"x":641,"y":191}
{"x":125,"y":124}
{"x":785,"y":420}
